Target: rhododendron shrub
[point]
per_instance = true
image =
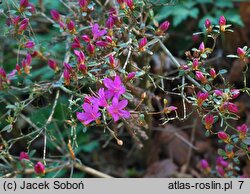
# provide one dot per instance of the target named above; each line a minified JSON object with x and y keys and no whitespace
{"x":93,"y":76}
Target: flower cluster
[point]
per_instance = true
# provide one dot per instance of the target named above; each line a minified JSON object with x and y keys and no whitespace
{"x":108,"y":99}
{"x":39,"y":168}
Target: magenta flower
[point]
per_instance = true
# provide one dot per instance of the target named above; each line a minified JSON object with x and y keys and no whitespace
{"x":91,"y":113}
{"x":201,"y":97}
{"x":213,"y":73}
{"x":23,"y":25}
{"x":220,"y":170}
{"x":76,"y":43}
{"x":204,"y":164}
{"x":207,"y":23}
{"x":15,"y":20}
{"x":130,"y":4}
{"x":112,"y":61}
{"x":26,"y":63}
{"x":18,"y":68}
{"x":83,"y":4}
{"x":97,"y":33}
{"x":202,"y":47}
{"x":209,"y":120}
{"x":55,"y":15}
{"x":131,"y":75}
{"x":68,"y":67}
{"x":85,"y":38}
{"x":23,"y":155}
{"x":223,"y":136}
{"x":115,"y":88}
{"x":83,"y":68}
{"x":52,"y":64}
{"x":221,"y":162}
{"x":241,"y":52}
{"x":222,"y":23}
{"x":91,"y":49}
{"x":199,"y":76}
{"x":110,"y":22}
{"x":66,"y":76}
{"x":101,"y":43}
{"x":218,"y":93}
{"x":24,"y":3}
{"x":195,"y":64}
{"x":116,"y":109}
{"x":29,"y":44}
{"x":80,"y":55}
{"x":164,"y":26}
{"x":235,"y":93}
{"x":231,"y":107}
{"x":242,"y":128}
{"x":169,"y":109}
{"x":102,"y":98}
{"x":71,"y":26}
{"x":39,"y":168}
{"x":142,"y":44}
{"x":2,"y":74}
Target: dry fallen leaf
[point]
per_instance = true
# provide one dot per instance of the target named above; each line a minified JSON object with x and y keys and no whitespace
{"x":161,"y":169}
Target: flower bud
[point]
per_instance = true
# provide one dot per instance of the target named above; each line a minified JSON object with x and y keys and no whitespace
{"x":202,"y":47}
{"x":204,"y":164}
{"x":23,"y":25}
{"x":201,"y":97}
{"x":169,"y":109}
{"x":83,"y":68}
{"x":207,"y":23}
{"x":68,"y":67}
{"x":23,"y":155}
{"x":85,"y":38}
{"x":101,"y":43}
{"x":130,"y":4}
{"x":29,"y":44}
{"x":195,"y":64}
{"x":213,"y":73}
{"x":131,"y":75}
{"x":55,"y":15}
{"x":91,"y":49}
{"x":209,"y":120}
{"x":222,"y":23}
{"x":39,"y":168}
{"x":235,"y":93}
{"x":223,"y":136}
{"x":52,"y":64}
{"x":83,"y":4}
{"x":241,"y":52}
{"x":163,"y":28}
{"x":200,"y":77}
{"x":18,"y":68}
{"x":71,"y":27}
{"x":66,"y":76}
{"x":112,"y":61}
{"x":24,"y":3}
{"x":76,"y":43}
{"x":142,"y":44}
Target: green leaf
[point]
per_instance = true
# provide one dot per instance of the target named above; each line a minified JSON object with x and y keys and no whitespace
{"x":224,"y":4}
{"x":90,"y":146}
{"x":232,"y":56}
{"x":7,"y":128}
{"x":222,"y":71}
{"x":221,"y":152}
{"x":208,"y":87}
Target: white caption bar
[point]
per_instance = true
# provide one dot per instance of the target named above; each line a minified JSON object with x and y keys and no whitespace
{"x":124,"y":186}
